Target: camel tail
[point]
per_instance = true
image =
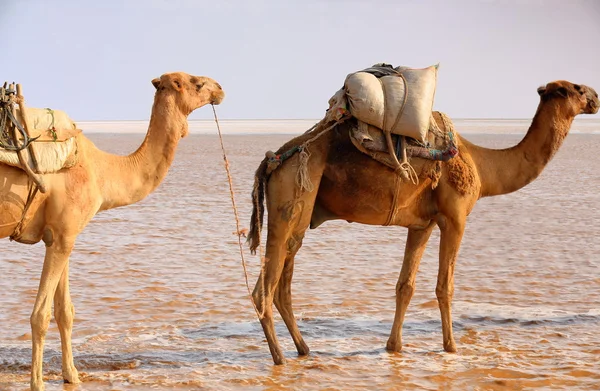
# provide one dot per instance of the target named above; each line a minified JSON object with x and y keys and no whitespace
{"x":258,"y":207}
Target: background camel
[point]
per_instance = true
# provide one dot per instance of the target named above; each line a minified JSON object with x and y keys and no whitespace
{"x":351,"y":186}
{"x":99,"y":181}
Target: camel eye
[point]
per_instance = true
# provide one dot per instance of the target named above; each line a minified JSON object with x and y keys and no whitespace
{"x":578,"y":88}
{"x":199,"y":86}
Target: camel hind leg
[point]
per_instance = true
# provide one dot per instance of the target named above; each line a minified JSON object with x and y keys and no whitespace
{"x":415,"y":246}
{"x":288,"y":214}
{"x":264,"y":289}
{"x":283,"y":294}
{"x":281,"y":229}
{"x":450,"y":238}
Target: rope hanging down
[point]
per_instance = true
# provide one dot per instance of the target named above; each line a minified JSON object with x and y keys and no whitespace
{"x":237,"y":226}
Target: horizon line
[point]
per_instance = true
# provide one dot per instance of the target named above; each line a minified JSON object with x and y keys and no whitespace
{"x":316,"y":119}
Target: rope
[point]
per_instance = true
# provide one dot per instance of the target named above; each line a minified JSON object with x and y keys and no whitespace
{"x":52,"y":129}
{"x":237,"y":225}
{"x":7,"y":119}
{"x":412,"y":174}
{"x":302,"y":177}
{"x":393,"y":209}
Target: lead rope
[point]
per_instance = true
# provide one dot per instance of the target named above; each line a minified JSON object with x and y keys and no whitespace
{"x":260,"y":314}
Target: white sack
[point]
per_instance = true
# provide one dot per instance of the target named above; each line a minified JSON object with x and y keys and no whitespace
{"x":381,"y":101}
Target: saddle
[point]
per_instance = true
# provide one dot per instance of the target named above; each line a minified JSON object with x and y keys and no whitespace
{"x":44,"y":157}
{"x":38,"y":141}
{"x":395,"y":150}
{"x":440,"y":144}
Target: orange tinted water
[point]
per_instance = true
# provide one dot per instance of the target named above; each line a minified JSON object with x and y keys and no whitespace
{"x":161,"y":304}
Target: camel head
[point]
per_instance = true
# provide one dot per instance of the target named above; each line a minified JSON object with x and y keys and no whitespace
{"x":574,"y":98}
{"x":189,"y":92}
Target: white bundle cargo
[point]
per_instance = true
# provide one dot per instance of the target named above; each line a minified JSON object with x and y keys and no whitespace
{"x":47,"y":119}
{"x":400,"y":101}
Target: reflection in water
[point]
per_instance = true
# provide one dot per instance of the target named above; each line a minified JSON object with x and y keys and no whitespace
{"x":160,"y":298}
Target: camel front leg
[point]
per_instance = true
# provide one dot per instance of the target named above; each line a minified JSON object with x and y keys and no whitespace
{"x":64,"y":313}
{"x":416,"y":243}
{"x":283,"y":295}
{"x":57,"y":257}
{"x":450,"y":238}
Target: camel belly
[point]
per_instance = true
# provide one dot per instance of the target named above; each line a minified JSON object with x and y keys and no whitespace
{"x":372,"y":195}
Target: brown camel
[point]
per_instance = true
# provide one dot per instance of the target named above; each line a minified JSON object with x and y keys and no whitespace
{"x":99,"y":181}
{"x":351,"y":186}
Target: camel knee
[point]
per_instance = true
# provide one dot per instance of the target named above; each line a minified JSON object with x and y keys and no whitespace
{"x":40,"y":320}
{"x":261,"y":301}
{"x":405,"y":289}
{"x":257,"y":297}
{"x":64,"y":315}
{"x":444,"y":294}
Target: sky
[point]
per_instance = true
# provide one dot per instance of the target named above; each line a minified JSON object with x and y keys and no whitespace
{"x":284,"y":59}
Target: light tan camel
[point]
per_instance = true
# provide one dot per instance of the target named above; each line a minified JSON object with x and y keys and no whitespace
{"x":99,"y":181}
{"x":351,"y":186}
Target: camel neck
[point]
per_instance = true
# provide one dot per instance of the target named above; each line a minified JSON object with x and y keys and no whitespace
{"x":506,"y":170}
{"x":130,"y":179}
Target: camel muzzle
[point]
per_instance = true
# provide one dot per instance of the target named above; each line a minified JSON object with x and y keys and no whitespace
{"x":593,"y":101}
{"x":218,"y":97}
{"x":592,"y":106}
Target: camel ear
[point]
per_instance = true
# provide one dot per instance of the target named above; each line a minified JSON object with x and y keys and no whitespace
{"x":541,"y":90}
{"x":177,"y":84}
{"x":562,"y":91}
{"x":156,"y":82}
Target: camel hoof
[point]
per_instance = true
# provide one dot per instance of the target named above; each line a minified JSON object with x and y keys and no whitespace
{"x":393,"y":347}
{"x":450,"y":347}
{"x":37,"y":385}
{"x":71,"y":377}
{"x":279,"y":360}
{"x":303,"y":350}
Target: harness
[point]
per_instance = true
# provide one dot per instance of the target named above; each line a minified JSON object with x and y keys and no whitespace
{"x":8,"y":121}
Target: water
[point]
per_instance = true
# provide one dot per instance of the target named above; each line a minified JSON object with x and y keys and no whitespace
{"x":161,"y":304}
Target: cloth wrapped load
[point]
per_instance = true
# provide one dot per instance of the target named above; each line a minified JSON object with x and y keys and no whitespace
{"x":54,"y":147}
{"x":398,"y":100}
{"x":49,"y":125}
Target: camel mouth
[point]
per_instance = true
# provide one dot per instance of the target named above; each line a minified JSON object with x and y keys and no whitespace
{"x":217,"y":98}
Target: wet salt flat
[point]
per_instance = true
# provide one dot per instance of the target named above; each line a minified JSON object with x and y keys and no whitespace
{"x":161,"y":304}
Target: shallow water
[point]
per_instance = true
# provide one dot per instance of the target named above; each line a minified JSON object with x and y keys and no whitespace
{"x":161,"y":303}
